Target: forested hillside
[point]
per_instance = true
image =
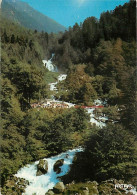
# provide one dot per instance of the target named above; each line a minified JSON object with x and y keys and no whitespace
{"x":27,"y":134}
{"x":99,"y":57}
{"x":23,"y":14}
{"x":77,"y":45}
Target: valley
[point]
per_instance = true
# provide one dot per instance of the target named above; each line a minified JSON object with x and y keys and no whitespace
{"x":68,"y":104}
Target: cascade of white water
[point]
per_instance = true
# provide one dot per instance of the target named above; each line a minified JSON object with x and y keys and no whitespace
{"x":101,"y":119}
{"x":49,"y":65}
{"x":41,"y":184}
{"x":61,"y":77}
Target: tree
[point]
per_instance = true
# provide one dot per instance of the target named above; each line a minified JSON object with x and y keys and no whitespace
{"x":28,"y":81}
{"x":12,"y":38}
{"x":5,"y":37}
{"x":129,"y":100}
{"x":90,"y":31}
{"x":88,"y":94}
{"x":110,"y":152}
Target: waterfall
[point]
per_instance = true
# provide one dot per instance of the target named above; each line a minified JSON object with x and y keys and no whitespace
{"x":39,"y":185}
{"x":61,"y":77}
{"x":49,"y":65}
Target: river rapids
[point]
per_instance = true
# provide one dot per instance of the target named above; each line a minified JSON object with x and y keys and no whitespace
{"x":39,"y":185}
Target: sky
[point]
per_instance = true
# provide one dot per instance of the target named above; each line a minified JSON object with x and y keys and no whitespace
{"x":68,"y":12}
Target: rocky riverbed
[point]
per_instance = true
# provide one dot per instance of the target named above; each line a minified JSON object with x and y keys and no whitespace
{"x":57,"y":166}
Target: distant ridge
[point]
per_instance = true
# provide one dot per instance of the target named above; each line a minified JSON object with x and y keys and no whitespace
{"x":23,"y":14}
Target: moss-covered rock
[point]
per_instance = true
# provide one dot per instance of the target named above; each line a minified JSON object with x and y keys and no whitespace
{"x":92,"y":188}
{"x":85,"y":191}
{"x":81,"y":188}
{"x":59,"y":188}
{"x":57,"y":165}
{"x":50,"y":192}
{"x":42,"y":167}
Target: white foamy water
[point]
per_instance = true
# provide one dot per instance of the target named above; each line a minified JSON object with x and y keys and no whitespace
{"x":41,"y":184}
{"x":101,"y":120}
{"x":49,"y":65}
{"x":61,"y":77}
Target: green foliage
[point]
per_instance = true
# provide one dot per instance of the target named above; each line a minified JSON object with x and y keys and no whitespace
{"x":78,"y":43}
{"x":90,"y":30}
{"x":129,"y":114}
{"x":116,"y":23}
{"x":79,"y":188}
{"x":53,"y":132}
{"x":81,"y":91}
{"x":24,"y":79}
{"x":51,"y":77}
{"x":110,"y":152}
{"x":99,"y":57}
{"x":92,"y":188}
{"x":28,"y":81}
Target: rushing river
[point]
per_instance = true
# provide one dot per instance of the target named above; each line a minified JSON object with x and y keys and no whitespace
{"x":41,"y":184}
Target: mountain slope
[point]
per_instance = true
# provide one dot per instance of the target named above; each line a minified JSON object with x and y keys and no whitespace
{"x":25,"y":15}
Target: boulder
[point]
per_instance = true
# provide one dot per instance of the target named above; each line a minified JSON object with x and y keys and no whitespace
{"x":94,"y":191}
{"x":42,"y":167}
{"x":95,"y":183}
{"x":50,"y":192}
{"x":59,"y":188}
{"x":57,"y":165}
{"x":130,"y":193}
{"x":58,"y":170}
{"x":67,"y":155}
{"x":85,"y":191}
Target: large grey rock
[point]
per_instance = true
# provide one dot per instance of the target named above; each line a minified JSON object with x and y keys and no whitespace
{"x":42,"y":167}
{"x":59,"y":187}
{"x":57,"y":165}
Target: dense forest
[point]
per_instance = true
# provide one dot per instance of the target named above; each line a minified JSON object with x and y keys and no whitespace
{"x":27,"y":134}
{"x":99,"y":57}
